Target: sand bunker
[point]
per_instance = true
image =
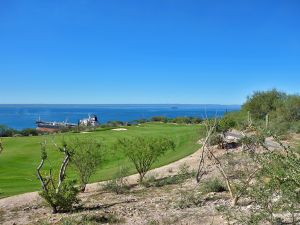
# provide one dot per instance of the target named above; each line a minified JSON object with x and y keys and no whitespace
{"x":120,"y":129}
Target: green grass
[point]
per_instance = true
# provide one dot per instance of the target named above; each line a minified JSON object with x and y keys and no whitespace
{"x":21,"y":155}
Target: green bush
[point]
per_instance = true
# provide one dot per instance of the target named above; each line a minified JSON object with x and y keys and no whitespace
{"x":87,"y":156}
{"x":225,"y":124}
{"x":262,"y":103}
{"x":144,"y":152}
{"x":29,"y":132}
{"x":91,"y":219}
{"x":183,"y":174}
{"x":213,"y":185}
{"x":119,"y":183}
{"x":64,"y":199}
{"x":216,"y":139}
{"x":188,"y":199}
{"x":159,"y":119}
{"x":6,"y":131}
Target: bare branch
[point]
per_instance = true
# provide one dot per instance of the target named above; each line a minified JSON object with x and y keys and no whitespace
{"x":63,"y":167}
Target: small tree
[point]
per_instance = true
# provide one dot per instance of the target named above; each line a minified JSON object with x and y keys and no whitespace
{"x":262,"y":103}
{"x":86,"y":158}
{"x":144,"y":152}
{"x":60,"y":194}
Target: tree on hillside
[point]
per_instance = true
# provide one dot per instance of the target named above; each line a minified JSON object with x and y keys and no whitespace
{"x":86,"y":158}
{"x":144,"y":152}
{"x":262,"y":103}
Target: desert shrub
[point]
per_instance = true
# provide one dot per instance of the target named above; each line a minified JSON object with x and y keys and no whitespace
{"x":119,"y":183}
{"x":278,"y":184}
{"x":275,"y":191}
{"x":186,"y":120}
{"x":1,"y":146}
{"x":144,"y":152}
{"x":159,"y":119}
{"x":60,"y":194}
{"x":288,"y":110}
{"x":86,"y":158}
{"x":225,"y":124}
{"x":213,"y":185}
{"x":140,"y":121}
{"x":262,"y":103}
{"x":64,"y":199}
{"x":91,"y":219}
{"x":108,"y":218}
{"x":183,"y":174}
{"x":6,"y":131}
{"x":216,"y":139}
{"x":188,"y":199}
{"x":29,"y":132}
{"x":115,"y":123}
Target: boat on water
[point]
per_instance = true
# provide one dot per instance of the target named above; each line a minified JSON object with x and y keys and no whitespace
{"x":46,"y":126}
{"x":91,"y":121}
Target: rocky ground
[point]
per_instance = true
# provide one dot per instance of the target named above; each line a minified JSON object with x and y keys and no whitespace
{"x":170,"y":204}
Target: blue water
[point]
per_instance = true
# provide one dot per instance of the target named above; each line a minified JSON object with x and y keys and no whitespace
{"x":24,"y":116}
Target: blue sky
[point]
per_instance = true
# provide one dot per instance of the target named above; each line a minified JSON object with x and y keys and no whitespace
{"x":158,"y":51}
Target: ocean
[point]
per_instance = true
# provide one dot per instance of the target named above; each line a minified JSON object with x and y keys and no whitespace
{"x":24,"y":116}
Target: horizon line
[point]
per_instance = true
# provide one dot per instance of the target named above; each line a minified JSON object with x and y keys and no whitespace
{"x":120,"y":104}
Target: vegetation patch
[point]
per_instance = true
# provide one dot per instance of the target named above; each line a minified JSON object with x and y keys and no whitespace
{"x":213,"y":185}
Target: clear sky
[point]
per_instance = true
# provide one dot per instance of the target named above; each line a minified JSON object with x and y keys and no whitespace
{"x":147,"y":51}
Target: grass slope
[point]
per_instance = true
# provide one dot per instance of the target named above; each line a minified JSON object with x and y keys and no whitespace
{"x":21,"y":156}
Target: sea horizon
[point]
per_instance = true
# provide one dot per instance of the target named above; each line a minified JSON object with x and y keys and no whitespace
{"x":21,"y":116}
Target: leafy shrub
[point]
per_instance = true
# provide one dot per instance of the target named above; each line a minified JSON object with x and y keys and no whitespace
{"x":91,"y":219}
{"x":225,"y":124}
{"x":115,"y":123}
{"x":216,"y":139}
{"x":159,"y":119}
{"x":144,"y":152}
{"x":64,"y":199}
{"x":213,"y":185}
{"x":186,"y":120}
{"x":1,"y":146}
{"x":86,"y":158}
{"x":119,"y":183}
{"x":29,"y":132}
{"x":188,"y":199}
{"x":60,"y":194}
{"x":262,"y":103}
{"x":6,"y":131}
{"x":183,"y":174}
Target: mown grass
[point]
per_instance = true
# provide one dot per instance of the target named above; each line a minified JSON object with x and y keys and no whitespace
{"x":21,"y":156}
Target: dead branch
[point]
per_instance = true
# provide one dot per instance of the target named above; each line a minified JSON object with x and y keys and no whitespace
{"x":63,"y":167}
{"x":42,"y":180}
{"x":207,"y":152}
{"x":209,"y":131}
